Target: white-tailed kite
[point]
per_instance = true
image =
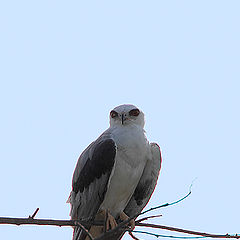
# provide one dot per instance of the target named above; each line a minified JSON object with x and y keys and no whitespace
{"x":116,"y":174}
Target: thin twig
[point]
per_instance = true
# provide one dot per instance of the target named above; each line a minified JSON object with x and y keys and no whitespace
{"x":133,"y":236}
{"x":34,"y":214}
{"x":146,"y":218}
{"x":172,"y":203}
{"x":167,"y":204}
{"x":166,"y":236}
{"x":188,"y":231}
{"x":84,"y":229}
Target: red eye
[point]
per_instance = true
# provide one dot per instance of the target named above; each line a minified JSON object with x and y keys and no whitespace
{"x":113,"y":114}
{"x":134,"y":112}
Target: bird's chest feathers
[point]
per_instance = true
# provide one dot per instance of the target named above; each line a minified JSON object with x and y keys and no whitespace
{"x":131,"y":146}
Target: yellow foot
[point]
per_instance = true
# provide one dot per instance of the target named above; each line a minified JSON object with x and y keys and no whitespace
{"x":110,"y":221}
{"x":123,"y":216}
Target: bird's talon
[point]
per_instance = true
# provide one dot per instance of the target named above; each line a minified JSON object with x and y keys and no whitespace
{"x":123,"y":216}
{"x":110,"y":221}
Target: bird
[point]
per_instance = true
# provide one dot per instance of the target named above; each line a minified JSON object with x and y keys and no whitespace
{"x":115,"y":175}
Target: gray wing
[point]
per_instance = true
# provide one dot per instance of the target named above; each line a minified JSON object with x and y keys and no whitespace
{"x":147,"y":183}
{"x":90,"y":180}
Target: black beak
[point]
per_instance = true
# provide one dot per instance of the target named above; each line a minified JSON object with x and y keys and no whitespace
{"x":123,"y":118}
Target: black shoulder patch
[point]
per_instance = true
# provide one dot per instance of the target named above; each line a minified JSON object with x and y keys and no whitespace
{"x":101,"y":162}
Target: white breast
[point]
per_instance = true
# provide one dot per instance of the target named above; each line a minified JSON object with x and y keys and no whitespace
{"x":132,"y":154}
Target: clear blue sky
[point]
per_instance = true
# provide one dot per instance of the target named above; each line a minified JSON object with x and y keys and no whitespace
{"x":66,"y":64}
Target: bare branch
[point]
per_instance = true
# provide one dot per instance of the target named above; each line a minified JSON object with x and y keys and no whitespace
{"x":31,"y":221}
{"x":120,"y":228}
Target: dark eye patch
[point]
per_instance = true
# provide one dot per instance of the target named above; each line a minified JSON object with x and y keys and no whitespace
{"x":134,"y":112}
{"x":113,"y":114}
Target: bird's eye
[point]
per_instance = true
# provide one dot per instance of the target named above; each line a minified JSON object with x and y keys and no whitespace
{"x":113,"y":114}
{"x":134,"y":112}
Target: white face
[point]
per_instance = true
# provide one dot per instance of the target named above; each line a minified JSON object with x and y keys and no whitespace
{"x":125,"y":115}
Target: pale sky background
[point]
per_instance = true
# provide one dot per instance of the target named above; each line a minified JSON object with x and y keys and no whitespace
{"x":65,"y":64}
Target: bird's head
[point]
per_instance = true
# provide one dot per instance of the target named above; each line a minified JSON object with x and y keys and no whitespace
{"x":126,"y":114}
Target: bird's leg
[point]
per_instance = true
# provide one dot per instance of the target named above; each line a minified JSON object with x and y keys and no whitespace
{"x":123,"y":216}
{"x":110,"y":221}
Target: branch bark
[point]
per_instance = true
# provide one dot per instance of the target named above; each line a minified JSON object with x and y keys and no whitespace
{"x":61,"y":223}
{"x":32,"y":221}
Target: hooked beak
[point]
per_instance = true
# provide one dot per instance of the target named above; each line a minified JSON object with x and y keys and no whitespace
{"x":123,"y":118}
